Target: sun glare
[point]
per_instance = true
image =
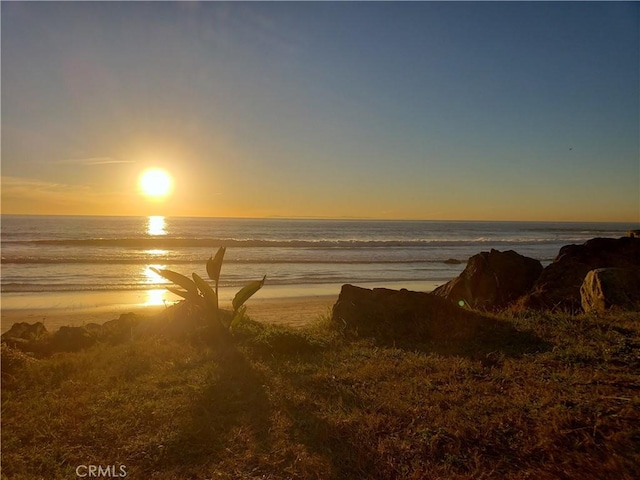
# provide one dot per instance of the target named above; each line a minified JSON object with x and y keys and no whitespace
{"x":155,"y":297}
{"x":156,"y":225}
{"x":155,"y":183}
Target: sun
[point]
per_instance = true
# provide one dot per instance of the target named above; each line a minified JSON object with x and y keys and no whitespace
{"x":155,"y":183}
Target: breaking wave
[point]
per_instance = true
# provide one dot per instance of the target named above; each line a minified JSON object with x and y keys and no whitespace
{"x":164,"y":242}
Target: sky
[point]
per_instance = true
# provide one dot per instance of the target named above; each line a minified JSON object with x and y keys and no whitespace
{"x":411,"y":110}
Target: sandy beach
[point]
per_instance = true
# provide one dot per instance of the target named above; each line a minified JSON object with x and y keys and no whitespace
{"x":294,"y":311}
{"x":293,"y":305}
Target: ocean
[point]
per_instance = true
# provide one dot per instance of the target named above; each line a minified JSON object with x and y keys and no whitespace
{"x":46,"y":256}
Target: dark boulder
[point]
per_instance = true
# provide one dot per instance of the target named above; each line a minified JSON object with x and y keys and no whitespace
{"x":25,"y":331}
{"x":606,"y":288}
{"x":417,"y":320}
{"x":452,"y":261}
{"x":558,"y":287}
{"x":383,"y":312}
{"x":71,"y":339}
{"x":121,"y":329}
{"x":27,"y":337}
{"x":492,"y":280}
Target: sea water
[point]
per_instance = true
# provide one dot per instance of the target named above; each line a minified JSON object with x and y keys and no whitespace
{"x":51,"y":255}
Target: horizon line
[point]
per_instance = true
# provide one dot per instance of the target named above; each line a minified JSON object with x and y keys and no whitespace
{"x":318,"y":217}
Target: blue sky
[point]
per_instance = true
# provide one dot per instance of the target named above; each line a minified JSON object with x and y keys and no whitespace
{"x":425,"y":110}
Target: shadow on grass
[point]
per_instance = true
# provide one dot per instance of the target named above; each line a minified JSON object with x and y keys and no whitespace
{"x":469,"y":334}
{"x":346,"y":422}
{"x":230,"y":420}
{"x":230,"y":411}
{"x":347,"y":456}
{"x":474,"y":336}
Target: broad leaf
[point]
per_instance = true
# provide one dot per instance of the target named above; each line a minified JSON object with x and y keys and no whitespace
{"x":209,"y":295}
{"x":237,"y":317}
{"x":178,"y":279}
{"x":195,"y":298}
{"x":180,"y":293}
{"x":215,"y":264}
{"x":246,"y":292}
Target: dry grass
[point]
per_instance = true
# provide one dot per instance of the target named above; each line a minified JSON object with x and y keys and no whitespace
{"x":562,"y":400}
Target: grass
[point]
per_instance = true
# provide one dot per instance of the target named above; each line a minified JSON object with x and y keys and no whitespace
{"x":562,"y":401}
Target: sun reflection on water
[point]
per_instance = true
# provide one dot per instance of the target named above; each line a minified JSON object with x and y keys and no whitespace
{"x":156,"y":225}
{"x":156,"y":251}
{"x":156,"y":297}
{"x":151,"y":276}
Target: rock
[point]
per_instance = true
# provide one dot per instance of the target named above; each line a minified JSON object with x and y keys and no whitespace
{"x":94,"y":329}
{"x":27,"y":337}
{"x":605,"y":288}
{"x":386,"y":313}
{"x":121,"y":329}
{"x":558,"y":287}
{"x":25,"y":331}
{"x":633,"y":233}
{"x":417,"y":320}
{"x":35,"y":338}
{"x":71,"y":339}
{"x":492,"y":280}
{"x":452,"y":261}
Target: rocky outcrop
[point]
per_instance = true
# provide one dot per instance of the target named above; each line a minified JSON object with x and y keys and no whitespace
{"x":606,"y":288}
{"x":382,"y":311}
{"x":419,"y":320}
{"x":558,"y":287}
{"x":27,"y":337}
{"x":121,"y":329}
{"x":71,"y":339}
{"x":25,"y":332}
{"x":492,"y":280}
{"x":34,"y":338}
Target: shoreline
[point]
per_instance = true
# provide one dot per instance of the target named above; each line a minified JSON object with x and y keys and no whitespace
{"x":294,"y":305}
{"x":293,"y":311}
